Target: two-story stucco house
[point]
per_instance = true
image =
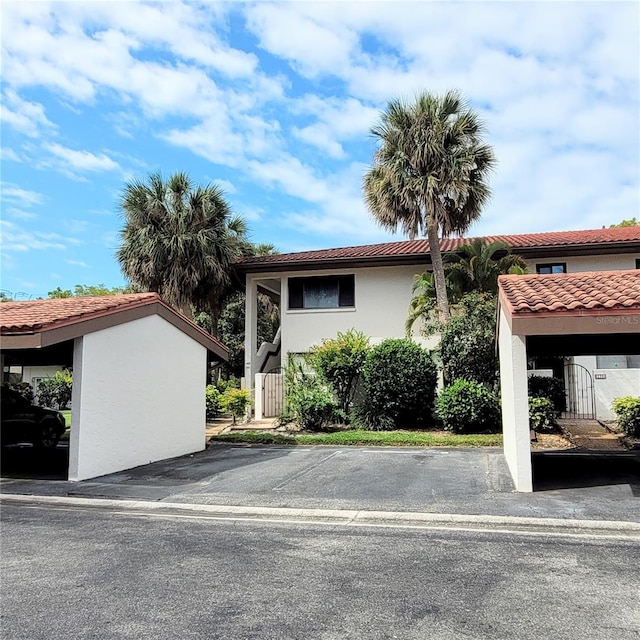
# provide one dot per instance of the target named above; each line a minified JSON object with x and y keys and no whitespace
{"x":369,"y":287}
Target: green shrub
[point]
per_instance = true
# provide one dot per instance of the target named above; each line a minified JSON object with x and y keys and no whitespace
{"x":467,"y":344}
{"x":467,"y":406}
{"x":308,"y":401}
{"x":550,"y":388}
{"x":399,"y":383}
{"x":235,"y":401}
{"x":628,"y":411}
{"x":542,"y":414}
{"x":56,"y":390}
{"x":365,"y":416}
{"x":339,"y":362}
{"x":214,"y":402}
{"x":23,"y":388}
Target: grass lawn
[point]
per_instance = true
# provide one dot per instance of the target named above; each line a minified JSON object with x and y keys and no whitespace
{"x":67,"y":418}
{"x":369,"y":438}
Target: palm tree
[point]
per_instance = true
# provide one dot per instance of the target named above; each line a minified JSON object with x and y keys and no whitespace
{"x":429,"y":173}
{"x":179,"y":240}
{"x":473,"y":267}
{"x":477,"y":265}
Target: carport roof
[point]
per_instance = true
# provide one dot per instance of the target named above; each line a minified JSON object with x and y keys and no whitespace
{"x":40,"y":323}
{"x":590,"y":302}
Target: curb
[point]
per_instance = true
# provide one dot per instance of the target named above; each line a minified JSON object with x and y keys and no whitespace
{"x":346,"y":517}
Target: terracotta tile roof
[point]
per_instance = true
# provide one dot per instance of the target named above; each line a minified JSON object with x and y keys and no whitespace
{"x":415,"y":251}
{"x":55,"y":315}
{"x":38,"y":315}
{"x":589,"y":291}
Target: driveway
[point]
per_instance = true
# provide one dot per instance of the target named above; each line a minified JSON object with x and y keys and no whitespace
{"x":436,"y":480}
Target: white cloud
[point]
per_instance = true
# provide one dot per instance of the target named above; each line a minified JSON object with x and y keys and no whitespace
{"x":20,"y":214}
{"x":17,"y":239}
{"x":81,"y":160}
{"x":24,"y":116}
{"x":14,"y":193}
{"x":77,"y":263}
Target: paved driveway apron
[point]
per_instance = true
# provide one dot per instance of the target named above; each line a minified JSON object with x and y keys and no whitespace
{"x":464,"y":481}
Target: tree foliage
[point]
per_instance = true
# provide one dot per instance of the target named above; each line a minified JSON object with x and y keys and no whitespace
{"x":399,"y":382}
{"x":83,"y":290}
{"x":339,"y":362}
{"x":473,"y":267}
{"x":468,"y":406}
{"x":468,"y":342}
{"x":631,"y":222}
{"x":429,"y":173}
{"x":179,"y":240}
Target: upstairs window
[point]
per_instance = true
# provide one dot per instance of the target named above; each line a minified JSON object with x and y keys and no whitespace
{"x":321,"y":292}
{"x":637,"y":263}
{"x":552,"y":267}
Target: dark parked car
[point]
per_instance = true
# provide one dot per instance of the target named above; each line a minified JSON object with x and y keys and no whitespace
{"x":26,"y":422}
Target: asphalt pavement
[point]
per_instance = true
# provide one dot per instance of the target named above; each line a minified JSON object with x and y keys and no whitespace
{"x":77,"y":573}
{"x":425,"y":480}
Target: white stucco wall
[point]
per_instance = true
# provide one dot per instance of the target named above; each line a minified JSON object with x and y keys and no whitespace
{"x":515,"y":405}
{"x":610,"y":384}
{"x":577,"y":264}
{"x":138,"y":397}
{"x":382,"y":297}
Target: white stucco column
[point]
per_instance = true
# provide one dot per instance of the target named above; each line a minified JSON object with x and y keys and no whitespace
{"x":76,"y":410}
{"x":250,"y":330}
{"x":515,"y":405}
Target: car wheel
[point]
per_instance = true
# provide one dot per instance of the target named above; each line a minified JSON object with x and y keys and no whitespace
{"x":48,"y":435}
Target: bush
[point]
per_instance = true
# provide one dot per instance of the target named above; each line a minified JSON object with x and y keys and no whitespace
{"x":23,"y":388}
{"x":56,"y":390}
{"x":214,"y":402}
{"x":550,"y":388}
{"x":399,"y":383}
{"x":365,"y":417}
{"x":628,"y":411}
{"x":235,"y":401}
{"x":339,"y":362}
{"x":542,"y":414}
{"x":308,"y":402}
{"x":467,"y":406}
{"x":467,"y":345}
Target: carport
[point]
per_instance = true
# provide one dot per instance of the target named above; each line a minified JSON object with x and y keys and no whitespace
{"x":589,"y":313}
{"x":139,"y":374}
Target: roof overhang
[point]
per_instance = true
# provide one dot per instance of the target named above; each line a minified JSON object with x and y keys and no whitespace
{"x":76,"y":327}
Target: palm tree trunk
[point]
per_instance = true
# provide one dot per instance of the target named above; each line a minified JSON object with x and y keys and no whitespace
{"x":438,"y":268}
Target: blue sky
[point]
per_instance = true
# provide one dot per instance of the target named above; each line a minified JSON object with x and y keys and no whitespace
{"x":274,"y":101}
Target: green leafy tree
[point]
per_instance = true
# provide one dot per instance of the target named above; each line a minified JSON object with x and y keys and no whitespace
{"x":179,"y":240}
{"x":339,"y":362}
{"x":632,"y":222}
{"x":468,"y":342}
{"x":235,"y":401}
{"x":83,"y":290}
{"x":429,"y":173}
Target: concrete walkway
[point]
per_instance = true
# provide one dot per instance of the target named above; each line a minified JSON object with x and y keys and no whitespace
{"x":590,"y":434}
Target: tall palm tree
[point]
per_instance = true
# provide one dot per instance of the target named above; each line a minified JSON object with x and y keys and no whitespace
{"x":429,"y":173}
{"x":179,"y":240}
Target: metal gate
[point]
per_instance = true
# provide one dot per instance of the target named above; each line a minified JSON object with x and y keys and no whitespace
{"x":580,"y":393}
{"x":272,"y":393}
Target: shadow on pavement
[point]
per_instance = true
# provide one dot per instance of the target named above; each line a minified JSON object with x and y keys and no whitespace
{"x":29,"y":463}
{"x":575,"y":469}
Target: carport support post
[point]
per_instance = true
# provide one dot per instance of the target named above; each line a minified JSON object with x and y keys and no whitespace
{"x":76,"y":410}
{"x":515,"y":405}
{"x":250,"y":331}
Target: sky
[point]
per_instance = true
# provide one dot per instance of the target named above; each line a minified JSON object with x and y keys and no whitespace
{"x":274,"y":102}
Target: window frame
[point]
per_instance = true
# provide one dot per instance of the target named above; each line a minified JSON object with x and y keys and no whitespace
{"x":550,"y":266}
{"x":345,"y":297}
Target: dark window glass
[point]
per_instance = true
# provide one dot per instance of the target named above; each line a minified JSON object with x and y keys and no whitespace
{"x":637,"y":263}
{"x":552,"y":267}
{"x":321,"y":292}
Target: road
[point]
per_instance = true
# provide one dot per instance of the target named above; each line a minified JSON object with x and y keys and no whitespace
{"x":72,"y":573}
